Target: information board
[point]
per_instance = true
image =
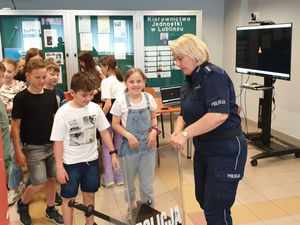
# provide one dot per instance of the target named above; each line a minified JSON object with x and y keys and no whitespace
{"x":159,"y":33}
{"x":19,"y":33}
{"x":107,"y":35}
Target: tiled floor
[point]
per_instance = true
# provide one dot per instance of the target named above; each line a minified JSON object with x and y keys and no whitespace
{"x":269,"y":193}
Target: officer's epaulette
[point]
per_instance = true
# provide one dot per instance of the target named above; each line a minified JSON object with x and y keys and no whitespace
{"x":206,"y":70}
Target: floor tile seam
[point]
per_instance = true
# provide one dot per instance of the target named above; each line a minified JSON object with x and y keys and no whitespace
{"x":288,"y":213}
{"x":249,"y":211}
{"x":258,"y":193}
{"x":247,"y":206}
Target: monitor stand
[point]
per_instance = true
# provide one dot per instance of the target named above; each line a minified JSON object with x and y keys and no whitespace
{"x":270,"y":145}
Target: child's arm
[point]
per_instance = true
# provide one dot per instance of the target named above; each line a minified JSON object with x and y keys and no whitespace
{"x":61,"y":174}
{"x":15,"y":136}
{"x":105,"y":135}
{"x":96,"y":91}
{"x":107,"y":106}
{"x":9,"y":106}
{"x":151,"y":140}
{"x":116,"y":125}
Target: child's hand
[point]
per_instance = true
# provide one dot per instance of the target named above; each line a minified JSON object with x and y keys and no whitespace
{"x":62,"y":175}
{"x":9,"y":107}
{"x":133,"y":142}
{"x":151,"y":139}
{"x":115,"y":162}
{"x":20,"y":159}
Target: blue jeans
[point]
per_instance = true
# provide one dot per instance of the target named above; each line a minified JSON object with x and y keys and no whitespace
{"x":141,"y":164}
{"x":15,"y":172}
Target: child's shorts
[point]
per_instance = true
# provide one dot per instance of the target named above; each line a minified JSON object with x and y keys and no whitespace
{"x":40,"y":162}
{"x":86,"y":174}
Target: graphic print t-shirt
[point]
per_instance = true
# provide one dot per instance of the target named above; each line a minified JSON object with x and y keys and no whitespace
{"x":76,"y":127}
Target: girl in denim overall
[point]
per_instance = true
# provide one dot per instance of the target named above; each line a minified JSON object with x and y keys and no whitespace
{"x":135,"y":120}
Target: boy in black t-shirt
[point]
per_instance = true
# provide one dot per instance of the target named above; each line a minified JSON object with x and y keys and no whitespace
{"x":32,"y":119}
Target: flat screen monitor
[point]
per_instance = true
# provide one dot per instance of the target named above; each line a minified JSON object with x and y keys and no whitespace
{"x":264,"y":50}
{"x":170,"y":95}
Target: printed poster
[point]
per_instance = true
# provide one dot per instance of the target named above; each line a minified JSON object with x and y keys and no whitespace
{"x":31,"y":27}
{"x":32,"y":42}
{"x":103,"y":43}
{"x":84,"y":24}
{"x":55,"y":56}
{"x":86,"y":42}
{"x":119,"y":29}
{"x":50,"y":38}
{"x":51,"y":21}
{"x":103,"y":24}
{"x":120,"y":50}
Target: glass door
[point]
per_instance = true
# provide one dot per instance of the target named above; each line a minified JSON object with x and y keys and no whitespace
{"x":106,"y":33}
{"x":45,"y":31}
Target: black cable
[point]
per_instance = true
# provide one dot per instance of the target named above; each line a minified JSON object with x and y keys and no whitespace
{"x":274,"y":105}
{"x":14,"y":4}
{"x":244,"y":109}
{"x":245,"y":113}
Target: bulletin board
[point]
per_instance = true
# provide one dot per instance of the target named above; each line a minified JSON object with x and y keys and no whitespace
{"x":107,"y":35}
{"x":159,"y":32}
{"x":19,"y":33}
{"x":136,"y":38}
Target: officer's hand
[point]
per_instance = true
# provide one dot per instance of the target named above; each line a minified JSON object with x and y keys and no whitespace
{"x":174,"y":134}
{"x":177,"y":140}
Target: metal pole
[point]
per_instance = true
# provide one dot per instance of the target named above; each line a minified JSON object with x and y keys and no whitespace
{"x":181,"y":183}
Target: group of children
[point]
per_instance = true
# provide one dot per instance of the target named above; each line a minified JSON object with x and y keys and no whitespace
{"x":60,"y":143}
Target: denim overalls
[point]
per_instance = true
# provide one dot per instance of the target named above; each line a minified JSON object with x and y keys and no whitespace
{"x":140,"y":161}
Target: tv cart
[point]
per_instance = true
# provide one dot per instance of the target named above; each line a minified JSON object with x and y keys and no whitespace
{"x":270,"y":145}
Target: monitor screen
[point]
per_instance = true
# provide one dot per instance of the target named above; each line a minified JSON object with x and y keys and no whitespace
{"x":264,"y":50}
{"x":170,"y":94}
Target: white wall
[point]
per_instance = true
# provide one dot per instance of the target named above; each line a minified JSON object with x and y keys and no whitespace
{"x":287,"y":93}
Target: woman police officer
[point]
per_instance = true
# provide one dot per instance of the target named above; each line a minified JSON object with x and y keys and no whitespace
{"x":209,"y":114}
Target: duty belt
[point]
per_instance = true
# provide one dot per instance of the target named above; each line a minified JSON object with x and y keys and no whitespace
{"x":219,"y":136}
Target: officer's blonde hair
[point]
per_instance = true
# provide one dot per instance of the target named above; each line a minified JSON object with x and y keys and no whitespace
{"x":189,"y":44}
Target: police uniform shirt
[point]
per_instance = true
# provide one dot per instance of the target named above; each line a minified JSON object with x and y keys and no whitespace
{"x":209,"y":90}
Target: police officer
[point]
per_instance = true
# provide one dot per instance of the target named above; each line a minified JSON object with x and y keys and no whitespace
{"x":209,"y":114}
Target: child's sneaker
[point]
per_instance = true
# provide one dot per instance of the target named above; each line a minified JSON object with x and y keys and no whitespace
{"x":120,"y":183}
{"x":21,"y":188}
{"x":13,"y":196}
{"x":54,"y":216}
{"x":107,"y":185}
{"x":23,"y":212}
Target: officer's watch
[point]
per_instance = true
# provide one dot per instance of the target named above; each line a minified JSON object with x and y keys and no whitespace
{"x":185,"y":133}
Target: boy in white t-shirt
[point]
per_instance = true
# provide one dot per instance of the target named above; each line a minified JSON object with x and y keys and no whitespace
{"x":75,"y":145}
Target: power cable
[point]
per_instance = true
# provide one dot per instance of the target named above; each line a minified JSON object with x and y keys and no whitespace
{"x":14,"y":4}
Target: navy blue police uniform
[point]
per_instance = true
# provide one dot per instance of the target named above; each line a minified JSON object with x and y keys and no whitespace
{"x":220,"y":155}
